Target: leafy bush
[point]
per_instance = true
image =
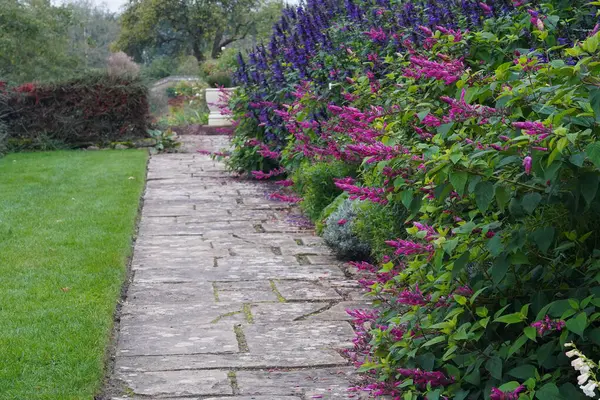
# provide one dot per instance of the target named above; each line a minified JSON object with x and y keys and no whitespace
{"x":120,"y":64}
{"x":339,"y":235}
{"x":219,"y":79}
{"x":374,"y":221}
{"x":92,"y":110}
{"x":481,"y":121}
{"x":188,"y":66}
{"x":166,"y":140}
{"x":160,"y":67}
{"x":315,"y":183}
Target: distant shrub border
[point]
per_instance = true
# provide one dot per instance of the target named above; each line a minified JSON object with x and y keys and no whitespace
{"x":92,"y":110}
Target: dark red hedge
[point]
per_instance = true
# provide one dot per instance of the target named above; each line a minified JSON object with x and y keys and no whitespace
{"x":91,"y":110}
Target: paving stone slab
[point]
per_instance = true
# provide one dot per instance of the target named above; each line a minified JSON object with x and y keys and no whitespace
{"x":139,"y":340}
{"x":237,"y":273}
{"x":168,"y":293}
{"x":279,"y":359}
{"x":263,"y":313}
{"x":178,"y":383}
{"x":245,"y":291}
{"x":298,"y":336}
{"x":302,"y":290}
{"x":212,"y":398}
{"x":330,"y":382}
{"x":183,"y":314}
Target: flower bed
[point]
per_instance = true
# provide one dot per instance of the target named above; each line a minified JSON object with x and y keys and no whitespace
{"x":480,"y":121}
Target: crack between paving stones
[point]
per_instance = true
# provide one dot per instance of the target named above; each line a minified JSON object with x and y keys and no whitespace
{"x":241,"y":338}
{"x":292,"y":368}
{"x":316,"y":312}
{"x":235,"y":389}
{"x":278,"y":294}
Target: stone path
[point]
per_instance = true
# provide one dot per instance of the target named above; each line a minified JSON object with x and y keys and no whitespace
{"x":228,"y":300}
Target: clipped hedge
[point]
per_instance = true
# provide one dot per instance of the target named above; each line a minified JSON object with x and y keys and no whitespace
{"x":91,"y":110}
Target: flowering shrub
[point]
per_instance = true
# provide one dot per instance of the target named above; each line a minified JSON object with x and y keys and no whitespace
{"x":95,"y":109}
{"x":481,"y":120}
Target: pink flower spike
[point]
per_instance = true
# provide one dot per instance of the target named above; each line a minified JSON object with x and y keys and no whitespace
{"x":527,"y":165}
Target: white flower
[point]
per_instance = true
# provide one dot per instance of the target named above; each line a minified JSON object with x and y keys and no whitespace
{"x":578,"y":364}
{"x":588,"y":389}
{"x":572,"y":353}
{"x":570,"y":344}
{"x":582,"y":379}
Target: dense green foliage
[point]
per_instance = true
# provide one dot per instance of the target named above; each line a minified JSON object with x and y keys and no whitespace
{"x":66,"y":229}
{"x":315,"y":183}
{"x":482,"y":124}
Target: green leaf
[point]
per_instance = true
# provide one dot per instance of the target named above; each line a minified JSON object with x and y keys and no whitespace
{"x":484,"y":194}
{"x":458,"y":179}
{"x":502,"y":196}
{"x":595,"y":103}
{"x":460,"y":263}
{"x":406,"y":197}
{"x":593,"y":153}
{"x":435,"y":395}
{"x":577,"y":325}
{"x":513,"y":318}
{"x":444,"y":129}
{"x":588,"y":184}
{"x":509,"y":386}
{"x":516,"y":345}
{"x":435,"y":340}
{"x":543,"y":238}
{"x":499,"y":269}
{"x":531,"y":333}
{"x":530,"y":201}
{"x":495,"y":245}
{"x":548,"y":392}
{"x":494,"y":367}
{"x":523,"y":372}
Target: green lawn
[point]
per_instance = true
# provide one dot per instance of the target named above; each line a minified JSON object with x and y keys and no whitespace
{"x":66,"y":222}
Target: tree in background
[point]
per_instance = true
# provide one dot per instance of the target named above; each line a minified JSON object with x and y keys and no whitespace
{"x":40,"y":41}
{"x":195,"y":27}
{"x":34,"y":42}
{"x":91,"y":32}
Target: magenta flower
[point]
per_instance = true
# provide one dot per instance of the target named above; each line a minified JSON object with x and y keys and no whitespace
{"x":413,"y":298}
{"x":342,"y":221}
{"x":486,"y":9}
{"x":285,"y":183}
{"x":527,"y":165}
{"x":262,"y":175}
{"x":548,"y":325}
{"x":460,"y":111}
{"x":432,"y":121}
{"x":498,"y":394}
{"x":284,"y":198}
{"x":464,"y":291}
{"x":447,"y":70}
{"x":407,"y":248}
{"x":533,"y":129}
{"x":424,"y":378}
{"x":376,"y":35}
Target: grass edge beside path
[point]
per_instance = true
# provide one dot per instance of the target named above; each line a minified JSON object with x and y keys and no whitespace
{"x":67,"y":220}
